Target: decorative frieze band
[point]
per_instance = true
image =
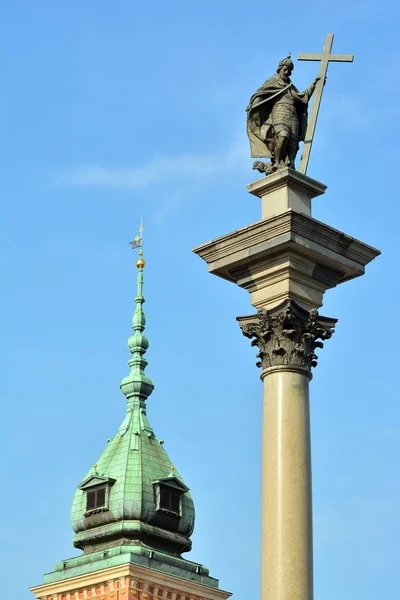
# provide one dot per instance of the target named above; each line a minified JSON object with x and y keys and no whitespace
{"x":287,"y":335}
{"x":125,"y":588}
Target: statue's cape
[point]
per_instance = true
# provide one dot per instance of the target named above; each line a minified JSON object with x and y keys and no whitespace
{"x":258,"y":116}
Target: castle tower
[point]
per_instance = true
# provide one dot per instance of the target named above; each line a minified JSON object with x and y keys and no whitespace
{"x":132,"y":513}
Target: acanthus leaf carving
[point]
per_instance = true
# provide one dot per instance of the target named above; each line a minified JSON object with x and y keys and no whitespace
{"x":287,"y":335}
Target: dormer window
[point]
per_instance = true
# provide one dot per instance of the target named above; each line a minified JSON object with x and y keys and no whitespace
{"x":170,"y":500}
{"x":168,"y":495}
{"x":96,"y":498}
{"x":97,"y":490}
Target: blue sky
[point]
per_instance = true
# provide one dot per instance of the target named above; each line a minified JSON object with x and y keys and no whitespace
{"x":113,"y":110}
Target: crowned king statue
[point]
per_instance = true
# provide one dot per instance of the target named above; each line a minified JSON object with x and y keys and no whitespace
{"x":277,"y":119}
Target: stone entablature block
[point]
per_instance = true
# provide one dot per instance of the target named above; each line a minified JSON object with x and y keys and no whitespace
{"x":289,"y":256}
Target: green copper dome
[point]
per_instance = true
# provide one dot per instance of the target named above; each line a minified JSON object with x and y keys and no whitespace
{"x":133,"y":497}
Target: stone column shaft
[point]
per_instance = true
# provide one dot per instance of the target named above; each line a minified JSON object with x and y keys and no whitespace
{"x":286,"y":519}
{"x":286,"y":337}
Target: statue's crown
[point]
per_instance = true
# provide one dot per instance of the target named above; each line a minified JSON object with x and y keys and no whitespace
{"x":286,"y":62}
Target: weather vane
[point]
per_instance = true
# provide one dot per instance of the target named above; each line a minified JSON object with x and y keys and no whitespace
{"x":137,"y":242}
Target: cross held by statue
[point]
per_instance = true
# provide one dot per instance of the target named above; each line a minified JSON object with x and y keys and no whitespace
{"x":325,"y":58}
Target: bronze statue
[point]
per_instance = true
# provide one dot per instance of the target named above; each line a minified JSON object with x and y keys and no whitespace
{"x":277,"y":119}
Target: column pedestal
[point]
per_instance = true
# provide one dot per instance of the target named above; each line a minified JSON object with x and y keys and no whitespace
{"x":286,"y":189}
{"x":287,"y":254}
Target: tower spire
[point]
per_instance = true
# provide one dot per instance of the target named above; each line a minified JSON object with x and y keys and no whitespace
{"x":133,"y":507}
{"x":137,"y":385}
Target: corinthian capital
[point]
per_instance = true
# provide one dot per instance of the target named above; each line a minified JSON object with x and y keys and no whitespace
{"x":287,"y":335}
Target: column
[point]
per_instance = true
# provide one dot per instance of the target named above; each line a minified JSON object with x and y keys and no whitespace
{"x":286,"y":337}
